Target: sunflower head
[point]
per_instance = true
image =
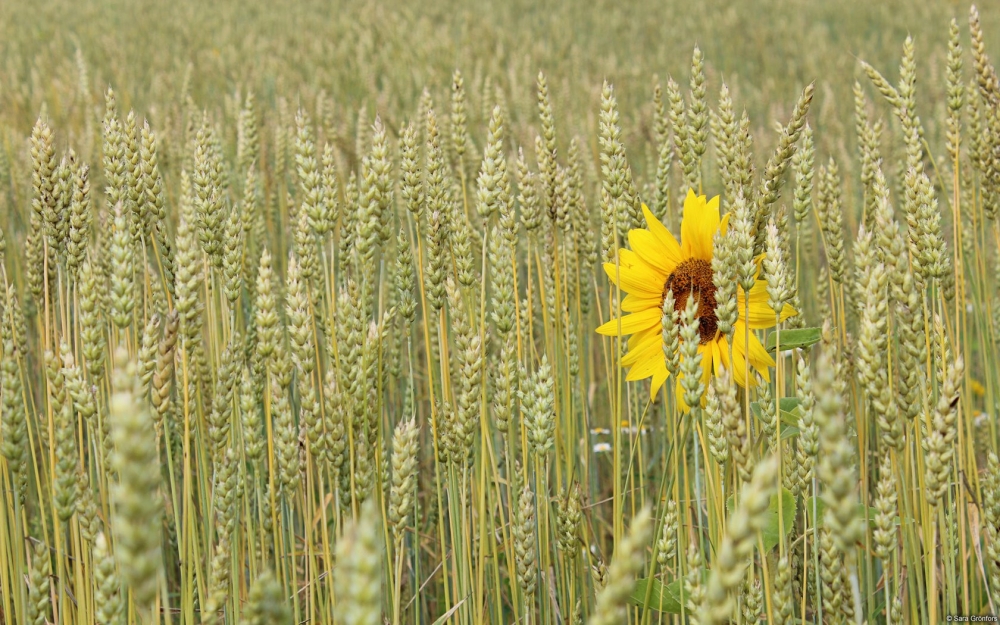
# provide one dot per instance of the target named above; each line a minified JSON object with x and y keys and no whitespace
{"x":657,"y":264}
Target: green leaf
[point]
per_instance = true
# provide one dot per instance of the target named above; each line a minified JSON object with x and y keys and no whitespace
{"x":789,"y":404}
{"x":771,"y":534}
{"x":789,"y":431}
{"x":662,"y":598}
{"x":788,"y":414}
{"x":821,"y":507}
{"x":792,"y":339}
{"x":447,"y":615}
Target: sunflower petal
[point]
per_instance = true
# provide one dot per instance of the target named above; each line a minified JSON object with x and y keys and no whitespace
{"x":645,"y":344}
{"x":635,"y":278}
{"x":758,"y":293}
{"x":787,"y":312}
{"x":659,"y":377}
{"x":633,"y":261}
{"x":707,"y":358}
{"x":671,"y":247}
{"x":701,"y":222}
{"x":739,"y":368}
{"x":761,"y":315}
{"x":652,"y":251}
{"x":644,"y":369}
{"x":717,"y":356}
{"x":758,"y":357}
{"x":634,"y":302}
{"x":632,"y":323}
{"x":738,"y":364}
{"x":760,"y":360}
{"x":724,"y":352}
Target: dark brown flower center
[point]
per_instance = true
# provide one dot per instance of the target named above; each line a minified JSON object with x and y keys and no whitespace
{"x":693,"y":278}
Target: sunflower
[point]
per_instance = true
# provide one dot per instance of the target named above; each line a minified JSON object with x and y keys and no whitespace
{"x":657,"y":264}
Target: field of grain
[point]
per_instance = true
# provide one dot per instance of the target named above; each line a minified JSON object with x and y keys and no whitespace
{"x":499,"y":312}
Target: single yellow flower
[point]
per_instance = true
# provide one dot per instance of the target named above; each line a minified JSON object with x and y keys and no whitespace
{"x":657,"y":263}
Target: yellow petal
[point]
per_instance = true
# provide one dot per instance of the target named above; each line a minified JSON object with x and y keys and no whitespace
{"x":707,"y":358}
{"x":643,"y":345}
{"x":644,"y":369}
{"x":758,"y":293}
{"x":630,"y":259}
{"x":701,"y":222}
{"x":739,"y":369}
{"x":760,"y":363}
{"x":679,"y":394}
{"x":645,"y":352}
{"x":635,"y":302}
{"x":759,"y":358}
{"x":761,"y":315}
{"x":659,"y":377}
{"x":630,"y":324}
{"x":787,"y":311}
{"x":738,"y":364}
{"x":724,"y":352}
{"x":635,"y":278}
{"x":717,"y":356}
{"x":671,"y":248}
{"x":650,"y":250}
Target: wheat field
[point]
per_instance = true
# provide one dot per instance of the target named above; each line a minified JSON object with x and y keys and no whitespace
{"x":499,"y":312}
